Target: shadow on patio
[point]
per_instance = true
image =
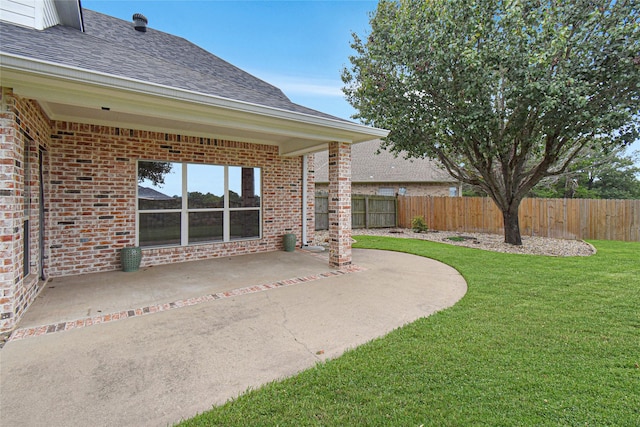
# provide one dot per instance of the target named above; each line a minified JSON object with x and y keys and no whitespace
{"x":116,"y":293}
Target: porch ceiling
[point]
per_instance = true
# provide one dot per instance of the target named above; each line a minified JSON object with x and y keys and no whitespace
{"x":84,"y":97}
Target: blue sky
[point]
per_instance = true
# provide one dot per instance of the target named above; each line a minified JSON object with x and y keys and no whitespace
{"x":299,"y":46}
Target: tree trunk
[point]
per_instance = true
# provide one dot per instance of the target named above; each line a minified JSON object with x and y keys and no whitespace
{"x":512,"y":225}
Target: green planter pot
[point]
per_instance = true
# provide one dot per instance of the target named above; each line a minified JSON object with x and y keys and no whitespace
{"x":130,"y":258}
{"x":289,"y":241}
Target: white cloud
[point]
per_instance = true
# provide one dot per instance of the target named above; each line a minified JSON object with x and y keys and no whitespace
{"x":296,"y":85}
{"x":311,"y":88}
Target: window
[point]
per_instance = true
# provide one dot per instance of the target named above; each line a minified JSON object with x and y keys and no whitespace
{"x":453,"y":191}
{"x":386,"y":191}
{"x":184,"y":203}
{"x":205,"y":203}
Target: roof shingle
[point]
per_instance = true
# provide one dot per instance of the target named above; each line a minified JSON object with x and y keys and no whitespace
{"x":112,"y":46}
{"x":367,"y":166}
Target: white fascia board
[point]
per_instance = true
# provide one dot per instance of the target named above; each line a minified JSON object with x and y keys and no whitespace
{"x":325,"y":127}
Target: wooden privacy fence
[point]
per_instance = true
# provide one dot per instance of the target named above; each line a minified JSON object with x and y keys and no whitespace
{"x":558,"y":218}
{"x":366,"y":211}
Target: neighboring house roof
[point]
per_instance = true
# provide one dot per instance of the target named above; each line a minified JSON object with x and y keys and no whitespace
{"x":110,"y":67}
{"x":367,"y":166}
{"x":151,"y":194}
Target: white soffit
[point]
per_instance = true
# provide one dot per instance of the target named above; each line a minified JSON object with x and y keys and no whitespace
{"x":70,"y":94}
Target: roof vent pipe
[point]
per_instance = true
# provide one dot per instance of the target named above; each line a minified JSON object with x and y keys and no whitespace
{"x":140,"y":22}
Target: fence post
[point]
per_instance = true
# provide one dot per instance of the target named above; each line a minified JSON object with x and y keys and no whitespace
{"x":366,"y":212}
{"x":395,"y":204}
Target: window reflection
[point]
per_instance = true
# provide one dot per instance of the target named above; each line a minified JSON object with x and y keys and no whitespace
{"x":244,"y":187}
{"x":206,"y":217}
{"x":159,"y":185}
{"x":205,"y":227}
{"x":245,"y":224}
{"x":205,"y":186}
{"x":159,"y":229}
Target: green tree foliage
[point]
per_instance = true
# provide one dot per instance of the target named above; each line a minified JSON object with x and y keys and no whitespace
{"x":502,"y":93}
{"x":595,"y":175}
{"x":618,"y":181}
{"x":153,"y":171}
{"x":198,"y":200}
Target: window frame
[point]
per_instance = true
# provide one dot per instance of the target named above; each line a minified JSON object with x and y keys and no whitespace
{"x":184,"y":209}
{"x":386,"y":191}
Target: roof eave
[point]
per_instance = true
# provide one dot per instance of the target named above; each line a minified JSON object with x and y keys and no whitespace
{"x":319,"y":128}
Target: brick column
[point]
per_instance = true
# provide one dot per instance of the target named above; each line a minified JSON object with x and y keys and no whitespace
{"x":19,"y":196}
{"x":339,"y":204}
{"x":11,"y":213}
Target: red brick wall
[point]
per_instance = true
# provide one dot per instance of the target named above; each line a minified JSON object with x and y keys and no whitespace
{"x":339,"y":204}
{"x":412,"y":189}
{"x":23,"y":126}
{"x":90,"y":188}
{"x":93,"y":188}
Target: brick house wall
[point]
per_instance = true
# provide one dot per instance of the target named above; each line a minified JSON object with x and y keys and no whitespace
{"x":90,"y":190}
{"x":92,"y":200}
{"x":412,"y":188}
{"x":24,"y":130}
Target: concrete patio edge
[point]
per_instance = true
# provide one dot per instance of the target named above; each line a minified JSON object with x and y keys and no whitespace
{"x":157,"y":370}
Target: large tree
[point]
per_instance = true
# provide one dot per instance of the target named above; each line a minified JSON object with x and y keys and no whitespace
{"x":503,"y":93}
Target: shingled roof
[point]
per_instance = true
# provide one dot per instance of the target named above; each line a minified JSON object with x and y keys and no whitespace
{"x":112,"y":46}
{"x":367,"y":166}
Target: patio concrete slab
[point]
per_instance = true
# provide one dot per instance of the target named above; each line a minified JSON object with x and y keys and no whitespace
{"x":75,"y":297}
{"x":158,"y":369}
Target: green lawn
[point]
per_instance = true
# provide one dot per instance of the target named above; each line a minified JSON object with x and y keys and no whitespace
{"x":536,"y":341}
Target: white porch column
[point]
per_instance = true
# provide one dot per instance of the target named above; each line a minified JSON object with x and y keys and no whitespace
{"x":339,"y":204}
